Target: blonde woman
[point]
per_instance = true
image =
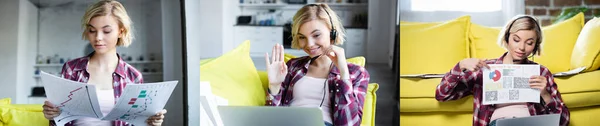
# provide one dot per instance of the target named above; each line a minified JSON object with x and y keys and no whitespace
{"x":106,"y":25}
{"x":323,"y":79}
{"x":521,"y":37}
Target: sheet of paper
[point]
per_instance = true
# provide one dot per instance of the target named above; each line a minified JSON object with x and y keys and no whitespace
{"x":504,"y":83}
{"x":423,"y":76}
{"x":136,"y":103}
{"x":140,"y":101}
{"x":75,"y":99}
{"x":570,"y":72}
{"x":209,"y":113}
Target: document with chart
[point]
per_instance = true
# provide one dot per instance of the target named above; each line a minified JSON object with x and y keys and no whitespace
{"x":75,"y":99}
{"x":506,"y":83}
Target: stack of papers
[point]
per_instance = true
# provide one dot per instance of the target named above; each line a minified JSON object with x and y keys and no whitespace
{"x":76,"y":100}
{"x":209,"y":114}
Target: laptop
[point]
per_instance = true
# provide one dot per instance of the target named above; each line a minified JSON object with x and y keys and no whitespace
{"x":270,"y":116}
{"x":538,"y":120}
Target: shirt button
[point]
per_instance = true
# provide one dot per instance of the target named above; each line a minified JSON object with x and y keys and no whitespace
{"x":330,"y":91}
{"x":337,"y":90}
{"x":337,"y":85}
{"x":335,"y":105}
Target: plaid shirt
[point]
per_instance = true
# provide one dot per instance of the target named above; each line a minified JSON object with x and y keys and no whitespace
{"x":349,"y":95}
{"x":76,"y":70}
{"x":457,"y":84}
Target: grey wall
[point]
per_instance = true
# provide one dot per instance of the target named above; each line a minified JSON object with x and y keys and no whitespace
{"x":60,"y":28}
{"x":173,"y":60}
{"x":17,"y":35}
{"x":9,"y":10}
{"x":380,"y":35}
{"x":195,"y":38}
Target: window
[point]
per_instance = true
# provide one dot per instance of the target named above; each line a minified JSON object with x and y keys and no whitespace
{"x":456,"y":5}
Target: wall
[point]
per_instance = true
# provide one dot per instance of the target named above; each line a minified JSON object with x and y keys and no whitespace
{"x":17,"y":35}
{"x":380,"y":29}
{"x":547,"y":10}
{"x":60,"y":28}
{"x":28,"y":31}
{"x":210,"y":27}
{"x":173,"y":60}
{"x":194,"y":38}
{"x":9,"y":10}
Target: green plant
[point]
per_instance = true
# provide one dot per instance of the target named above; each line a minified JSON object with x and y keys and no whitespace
{"x":567,"y":13}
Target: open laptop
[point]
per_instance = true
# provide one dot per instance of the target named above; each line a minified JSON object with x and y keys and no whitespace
{"x":270,"y":116}
{"x":538,"y":120}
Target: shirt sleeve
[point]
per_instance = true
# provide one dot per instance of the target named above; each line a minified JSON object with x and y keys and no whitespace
{"x":275,"y":100}
{"x":455,"y":84}
{"x":350,"y":97}
{"x":556,"y":105}
{"x":66,"y":71}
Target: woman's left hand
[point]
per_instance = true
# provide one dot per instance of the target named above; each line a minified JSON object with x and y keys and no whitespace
{"x":338,"y":57}
{"x":156,"y":120}
{"x":539,"y":82}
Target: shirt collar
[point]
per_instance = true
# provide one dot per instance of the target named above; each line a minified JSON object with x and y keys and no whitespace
{"x":121,"y":65}
{"x":501,"y":59}
{"x":305,"y":62}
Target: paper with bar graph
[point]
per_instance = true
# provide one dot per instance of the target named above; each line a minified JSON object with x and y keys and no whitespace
{"x":76,"y":100}
{"x":140,"y":101}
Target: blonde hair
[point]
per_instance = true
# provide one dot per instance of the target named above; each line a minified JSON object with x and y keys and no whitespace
{"x":117,"y":11}
{"x":317,"y":12}
{"x":522,"y":22}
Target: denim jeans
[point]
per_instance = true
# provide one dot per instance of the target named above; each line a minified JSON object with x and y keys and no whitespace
{"x":328,"y":124}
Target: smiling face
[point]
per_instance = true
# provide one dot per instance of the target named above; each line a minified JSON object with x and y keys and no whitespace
{"x":313,"y":37}
{"x":521,"y":44}
{"x":103,"y":33}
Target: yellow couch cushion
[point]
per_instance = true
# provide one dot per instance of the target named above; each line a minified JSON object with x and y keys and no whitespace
{"x":418,"y":95}
{"x":557,"y":46}
{"x":484,"y":42}
{"x":368,"y":118}
{"x":5,"y":101}
{"x":587,"y":47}
{"x":22,"y":115}
{"x":234,"y":77}
{"x":433,"y":47}
{"x":436,"y":119}
{"x":580,"y":116}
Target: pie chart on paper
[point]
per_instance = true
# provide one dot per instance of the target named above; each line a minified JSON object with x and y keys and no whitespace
{"x":495,"y":75}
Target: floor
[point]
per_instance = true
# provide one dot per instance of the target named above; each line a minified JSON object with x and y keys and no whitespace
{"x":386,"y":103}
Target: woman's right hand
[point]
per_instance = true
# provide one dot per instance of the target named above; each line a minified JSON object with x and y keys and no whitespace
{"x":276,"y":68}
{"x":50,"y":111}
{"x":472,"y":64}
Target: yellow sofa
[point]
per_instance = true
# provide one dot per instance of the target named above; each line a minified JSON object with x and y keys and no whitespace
{"x":234,"y":77}
{"x":21,"y":114}
{"x":439,"y":46}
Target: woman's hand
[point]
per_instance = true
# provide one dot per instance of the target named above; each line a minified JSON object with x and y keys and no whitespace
{"x":276,"y":68}
{"x":156,"y":120}
{"x":338,"y":57}
{"x":50,"y":111}
{"x":539,"y":83}
{"x":472,"y":64}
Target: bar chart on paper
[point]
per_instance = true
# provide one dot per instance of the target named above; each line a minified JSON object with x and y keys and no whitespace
{"x":140,"y":101}
{"x":143,"y":100}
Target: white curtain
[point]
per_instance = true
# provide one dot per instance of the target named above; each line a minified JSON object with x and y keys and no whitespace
{"x":479,"y":10}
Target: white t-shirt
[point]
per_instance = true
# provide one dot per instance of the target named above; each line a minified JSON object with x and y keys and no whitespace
{"x":106,"y":100}
{"x":310,"y":92}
